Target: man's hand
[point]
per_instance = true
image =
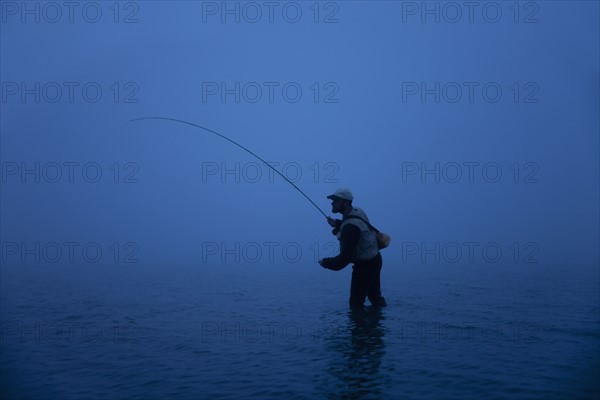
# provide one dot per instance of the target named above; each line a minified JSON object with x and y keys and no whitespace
{"x":321,"y":263}
{"x":332,"y":222}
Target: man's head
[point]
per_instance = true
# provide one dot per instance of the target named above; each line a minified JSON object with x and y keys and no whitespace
{"x":341,"y":200}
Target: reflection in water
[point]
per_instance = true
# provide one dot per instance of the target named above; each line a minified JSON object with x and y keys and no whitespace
{"x":356,"y":352}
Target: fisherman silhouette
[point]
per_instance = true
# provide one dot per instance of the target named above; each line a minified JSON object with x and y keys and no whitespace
{"x":358,"y":245}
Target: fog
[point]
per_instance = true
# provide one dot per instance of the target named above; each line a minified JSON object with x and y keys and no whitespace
{"x":458,"y":128}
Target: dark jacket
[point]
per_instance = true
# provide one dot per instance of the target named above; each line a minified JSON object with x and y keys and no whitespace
{"x":348,"y":242}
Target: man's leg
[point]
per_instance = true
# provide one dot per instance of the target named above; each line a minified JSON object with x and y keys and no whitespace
{"x":359,"y":288}
{"x":374,"y":292}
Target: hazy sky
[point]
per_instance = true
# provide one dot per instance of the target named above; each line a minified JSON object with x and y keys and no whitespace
{"x":452,"y":123}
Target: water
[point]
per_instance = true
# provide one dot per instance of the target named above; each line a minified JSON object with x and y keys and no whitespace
{"x":285,"y":331}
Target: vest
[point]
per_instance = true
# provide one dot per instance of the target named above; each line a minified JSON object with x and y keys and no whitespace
{"x":367,"y":247}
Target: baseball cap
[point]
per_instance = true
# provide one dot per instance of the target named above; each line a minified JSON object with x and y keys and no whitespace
{"x":342,"y":193}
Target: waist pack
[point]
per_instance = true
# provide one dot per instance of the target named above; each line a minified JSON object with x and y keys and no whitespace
{"x":383,"y":239}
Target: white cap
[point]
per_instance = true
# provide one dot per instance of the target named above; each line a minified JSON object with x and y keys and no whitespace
{"x":342,"y":193}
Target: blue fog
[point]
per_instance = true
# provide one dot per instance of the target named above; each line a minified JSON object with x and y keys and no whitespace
{"x":151,"y":259}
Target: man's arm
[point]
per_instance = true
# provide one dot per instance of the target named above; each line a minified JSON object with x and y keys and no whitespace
{"x":348,"y":243}
{"x":335,"y":223}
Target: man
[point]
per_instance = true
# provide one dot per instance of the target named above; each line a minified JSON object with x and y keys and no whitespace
{"x":357,"y":245}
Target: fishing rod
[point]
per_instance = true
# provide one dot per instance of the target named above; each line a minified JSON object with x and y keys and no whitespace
{"x":237,"y":144}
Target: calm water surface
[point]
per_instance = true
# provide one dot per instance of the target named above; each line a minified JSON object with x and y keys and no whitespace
{"x":275,"y":332}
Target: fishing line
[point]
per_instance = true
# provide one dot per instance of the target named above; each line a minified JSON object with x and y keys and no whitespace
{"x":237,"y":144}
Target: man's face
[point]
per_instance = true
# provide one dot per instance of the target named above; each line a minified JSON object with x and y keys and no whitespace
{"x":336,"y":205}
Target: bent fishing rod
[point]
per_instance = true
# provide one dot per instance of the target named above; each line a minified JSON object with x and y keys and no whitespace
{"x":237,"y":144}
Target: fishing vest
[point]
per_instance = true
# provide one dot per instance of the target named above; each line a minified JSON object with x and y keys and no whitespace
{"x":367,"y":247}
